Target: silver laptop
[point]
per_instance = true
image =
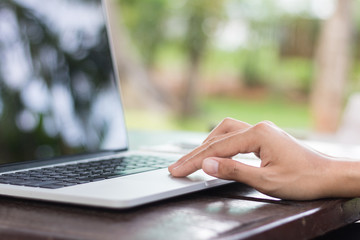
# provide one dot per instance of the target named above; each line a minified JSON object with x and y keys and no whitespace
{"x":62,"y":131}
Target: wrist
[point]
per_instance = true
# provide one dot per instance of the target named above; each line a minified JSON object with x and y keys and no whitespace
{"x":342,"y":178}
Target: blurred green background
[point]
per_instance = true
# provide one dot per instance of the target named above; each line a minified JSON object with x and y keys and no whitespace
{"x":187,"y":64}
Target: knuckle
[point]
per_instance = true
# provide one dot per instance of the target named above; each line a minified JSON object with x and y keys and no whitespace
{"x":227,"y":121}
{"x":269,"y":122}
{"x":262,"y":126}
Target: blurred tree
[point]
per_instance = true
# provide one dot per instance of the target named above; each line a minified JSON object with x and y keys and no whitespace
{"x":202,"y":19}
{"x":131,"y":66}
{"x":145,"y":21}
{"x":332,"y":67}
{"x":262,"y":19}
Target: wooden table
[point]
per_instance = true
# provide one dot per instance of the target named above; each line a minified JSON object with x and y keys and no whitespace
{"x":234,"y":211}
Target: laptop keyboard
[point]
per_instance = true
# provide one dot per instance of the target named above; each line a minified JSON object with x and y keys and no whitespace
{"x":85,"y":172}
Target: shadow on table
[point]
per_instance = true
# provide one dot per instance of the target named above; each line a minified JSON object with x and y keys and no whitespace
{"x":349,"y":232}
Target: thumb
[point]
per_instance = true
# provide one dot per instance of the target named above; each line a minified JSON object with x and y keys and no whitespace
{"x":226,"y":168}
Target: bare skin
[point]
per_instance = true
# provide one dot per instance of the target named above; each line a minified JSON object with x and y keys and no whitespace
{"x":288,"y":169}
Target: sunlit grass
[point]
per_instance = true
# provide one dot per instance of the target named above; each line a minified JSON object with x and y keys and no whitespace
{"x":212,"y":110}
{"x":284,"y":113}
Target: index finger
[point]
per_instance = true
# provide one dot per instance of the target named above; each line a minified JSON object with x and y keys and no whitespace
{"x":225,"y":128}
{"x":198,"y":149}
{"x":237,"y":142}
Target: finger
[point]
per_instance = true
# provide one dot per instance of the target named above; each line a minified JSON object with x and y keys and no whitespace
{"x":230,"y":169}
{"x":227,"y":125}
{"x":199,"y":149}
{"x":232,"y":144}
{"x":186,"y":157}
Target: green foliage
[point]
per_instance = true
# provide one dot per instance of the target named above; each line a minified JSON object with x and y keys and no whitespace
{"x":146,"y":22}
{"x":296,"y":73}
{"x":151,"y":25}
{"x":264,"y":67}
{"x":257,"y":66}
{"x":272,"y":55}
{"x":202,"y":19}
{"x":168,"y":33}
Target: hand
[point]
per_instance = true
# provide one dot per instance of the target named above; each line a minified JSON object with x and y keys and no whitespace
{"x":288,"y":169}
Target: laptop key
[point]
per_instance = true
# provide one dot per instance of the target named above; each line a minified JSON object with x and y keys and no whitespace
{"x":5,"y":181}
{"x":39,"y":183}
{"x":97,"y":179}
{"x":35,"y":183}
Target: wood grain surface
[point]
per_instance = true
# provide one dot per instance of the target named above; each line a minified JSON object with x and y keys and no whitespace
{"x":235,"y":211}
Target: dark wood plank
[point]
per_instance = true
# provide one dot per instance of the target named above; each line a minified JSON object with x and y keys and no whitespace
{"x":301,"y":220}
{"x":231,"y":212}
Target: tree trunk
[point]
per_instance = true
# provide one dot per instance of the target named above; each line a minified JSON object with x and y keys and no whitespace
{"x":332,"y":66}
{"x":190,"y":92}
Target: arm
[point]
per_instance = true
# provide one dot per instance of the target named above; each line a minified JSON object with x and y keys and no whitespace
{"x":288,"y":169}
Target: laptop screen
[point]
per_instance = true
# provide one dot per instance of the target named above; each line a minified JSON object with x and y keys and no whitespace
{"x":58,"y":94}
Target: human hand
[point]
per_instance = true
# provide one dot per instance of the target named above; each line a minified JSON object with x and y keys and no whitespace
{"x":288,"y":169}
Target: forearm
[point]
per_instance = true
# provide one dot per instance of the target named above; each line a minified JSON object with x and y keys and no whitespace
{"x":343,"y":179}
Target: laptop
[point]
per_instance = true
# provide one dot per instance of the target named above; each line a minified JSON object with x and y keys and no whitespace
{"x":62,"y":131}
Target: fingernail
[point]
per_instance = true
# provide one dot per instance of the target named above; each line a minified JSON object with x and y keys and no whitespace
{"x":210,"y":166}
{"x":171,"y":166}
